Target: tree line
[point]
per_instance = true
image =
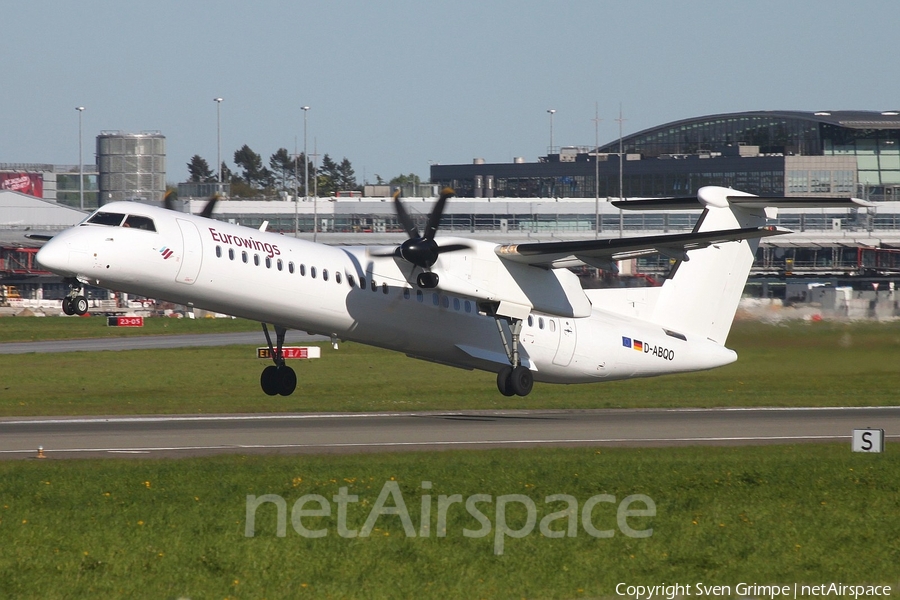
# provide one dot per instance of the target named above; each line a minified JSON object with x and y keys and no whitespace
{"x":284,"y":173}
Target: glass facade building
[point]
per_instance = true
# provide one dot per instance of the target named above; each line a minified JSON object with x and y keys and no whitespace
{"x":791,"y":153}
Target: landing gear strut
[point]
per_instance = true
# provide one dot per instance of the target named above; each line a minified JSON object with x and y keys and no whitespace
{"x":75,"y":303}
{"x":278,"y":378}
{"x":516,"y":379}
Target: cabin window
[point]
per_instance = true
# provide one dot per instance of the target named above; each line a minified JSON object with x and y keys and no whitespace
{"x":218,"y":251}
{"x":384,"y":288}
{"x":256,"y":259}
{"x":552,"y":324}
{"x":106,"y":218}
{"x":244,"y":256}
{"x":530,"y":321}
{"x":291,"y":267}
{"x":337,"y":276}
{"x":139,"y":222}
{"x":469,"y":307}
{"x":445,"y":301}
{"x":231,"y":254}
{"x":420,"y":296}
{"x":374,"y":286}
{"x":350,"y":281}
{"x":362,"y":283}
{"x":278,"y":264}
{"x":303,"y":270}
{"x":324,"y":274}
{"x":406,"y":293}
{"x":540,"y":322}
{"x":312,"y":272}
{"x":435,"y":299}
{"x":268,"y":263}
{"x":456,"y":304}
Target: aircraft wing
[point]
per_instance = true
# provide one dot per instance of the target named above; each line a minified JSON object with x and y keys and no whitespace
{"x":603,"y":253}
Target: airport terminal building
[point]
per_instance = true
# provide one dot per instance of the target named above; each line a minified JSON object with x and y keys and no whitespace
{"x":792,"y":153}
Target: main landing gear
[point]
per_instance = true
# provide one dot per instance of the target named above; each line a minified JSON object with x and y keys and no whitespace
{"x":278,"y":378}
{"x":75,"y":303}
{"x":516,"y":379}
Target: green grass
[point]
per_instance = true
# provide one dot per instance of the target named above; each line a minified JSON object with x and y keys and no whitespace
{"x":801,"y":364}
{"x":167,"y":529}
{"x":37,"y":329}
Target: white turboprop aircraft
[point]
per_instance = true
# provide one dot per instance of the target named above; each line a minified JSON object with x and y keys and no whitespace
{"x":511,"y":309}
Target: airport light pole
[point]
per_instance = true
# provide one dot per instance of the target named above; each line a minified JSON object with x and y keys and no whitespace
{"x":596,"y":120}
{"x":80,"y":110}
{"x":621,"y":156}
{"x":218,"y":102}
{"x":305,"y":110}
{"x":296,"y":158}
{"x":552,"y":111}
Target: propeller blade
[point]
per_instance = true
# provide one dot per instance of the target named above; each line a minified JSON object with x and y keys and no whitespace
{"x":408,"y":224}
{"x":393,"y":251}
{"x":452,"y":248}
{"x":434,"y":219}
{"x":169,"y":200}
{"x":210,"y":205}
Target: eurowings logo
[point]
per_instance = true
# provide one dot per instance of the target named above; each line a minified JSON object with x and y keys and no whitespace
{"x":166,"y":252}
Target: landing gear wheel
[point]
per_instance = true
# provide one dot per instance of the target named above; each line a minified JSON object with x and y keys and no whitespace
{"x":80,"y":305}
{"x":269,"y":380}
{"x":521,"y":381}
{"x":278,"y":380}
{"x":504,"y":381}
{"x":67,"y":307}
{"x":287,"y":381}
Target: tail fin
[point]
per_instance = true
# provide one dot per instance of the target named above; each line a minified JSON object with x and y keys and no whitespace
{"x":703,"y":294}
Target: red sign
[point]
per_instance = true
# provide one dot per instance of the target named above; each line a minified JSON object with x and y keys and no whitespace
{"x":125,"y":321}
{"x":293,"y":352}
{"x":26,"y":183}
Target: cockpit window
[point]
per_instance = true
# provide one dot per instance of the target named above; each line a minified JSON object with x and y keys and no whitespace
{"x":139,"y":222}
{"x":105,"y":218}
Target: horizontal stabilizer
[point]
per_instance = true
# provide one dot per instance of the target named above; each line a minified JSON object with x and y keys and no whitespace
{"x":722,"y":197}
{"x":591,"y":252}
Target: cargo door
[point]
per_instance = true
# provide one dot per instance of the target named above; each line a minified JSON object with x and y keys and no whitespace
{"x":567,"y":339}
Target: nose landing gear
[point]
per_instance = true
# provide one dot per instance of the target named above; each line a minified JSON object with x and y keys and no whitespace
{"x":75,"y":303}
{"x":278,"y":378}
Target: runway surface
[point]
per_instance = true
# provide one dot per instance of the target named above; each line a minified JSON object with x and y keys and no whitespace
{"x":150,"y":342}
{"x":180,"y":436}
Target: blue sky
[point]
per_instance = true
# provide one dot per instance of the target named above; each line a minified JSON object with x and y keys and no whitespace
{"x":394,"y":86}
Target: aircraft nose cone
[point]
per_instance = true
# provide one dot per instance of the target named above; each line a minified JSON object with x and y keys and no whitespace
{"x":54,"y":256}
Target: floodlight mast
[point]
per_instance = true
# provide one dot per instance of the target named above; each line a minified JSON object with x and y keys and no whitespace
{"x":218,"y":102}
{"x":80,"y":110}
{"x":552,"y":111}
{"x":305,"y":110}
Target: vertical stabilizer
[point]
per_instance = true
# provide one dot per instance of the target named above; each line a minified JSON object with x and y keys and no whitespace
{"x":702,"y":296}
